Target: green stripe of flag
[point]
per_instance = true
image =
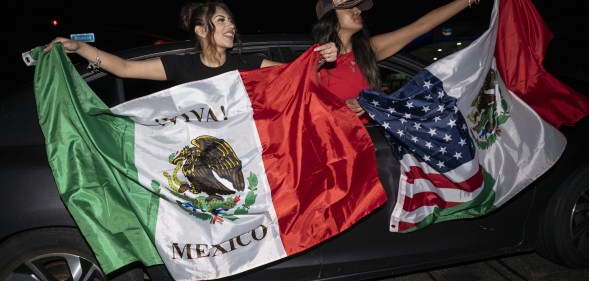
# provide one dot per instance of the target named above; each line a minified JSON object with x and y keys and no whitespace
{"x":114,"y":212}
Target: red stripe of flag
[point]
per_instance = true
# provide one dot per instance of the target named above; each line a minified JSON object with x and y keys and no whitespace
{"x":441,"y":181}
{"x":522,"y":39}
{"x":426,"y":199}
{"x":319,"y":159}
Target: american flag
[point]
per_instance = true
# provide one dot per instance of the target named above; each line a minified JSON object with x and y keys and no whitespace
{"x":441,"y":174}
{"x":447,"y":175}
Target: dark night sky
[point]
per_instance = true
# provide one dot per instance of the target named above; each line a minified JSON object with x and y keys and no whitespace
{"x":29,"y":26}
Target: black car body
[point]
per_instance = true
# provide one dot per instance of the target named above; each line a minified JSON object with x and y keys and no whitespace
{"x":39,"y":237}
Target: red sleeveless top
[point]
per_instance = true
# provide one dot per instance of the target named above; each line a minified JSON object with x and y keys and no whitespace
{"x":344,"y":79}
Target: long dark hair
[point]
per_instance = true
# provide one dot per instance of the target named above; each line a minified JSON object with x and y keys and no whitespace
{"x":201,"y":14}
{"x":325,"y":30}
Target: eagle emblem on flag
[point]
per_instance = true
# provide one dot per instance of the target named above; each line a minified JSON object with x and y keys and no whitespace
{"x":209,"y":166}
{"x":489,"y":111}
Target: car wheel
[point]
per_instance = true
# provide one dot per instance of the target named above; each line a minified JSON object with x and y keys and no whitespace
{"x":563,"y":233}
{"x":51,"y":254}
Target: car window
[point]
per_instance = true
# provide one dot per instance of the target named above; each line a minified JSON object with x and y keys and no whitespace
{"x":113,"y":90}
{"x":290,"y":53}
{"x":392,"y":80}
{"x":260,"y":52}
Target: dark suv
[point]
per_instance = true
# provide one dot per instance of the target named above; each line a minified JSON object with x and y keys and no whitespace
{"x":40,"y":241}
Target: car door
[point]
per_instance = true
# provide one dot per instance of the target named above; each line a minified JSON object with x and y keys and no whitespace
{"x":369,"y":249}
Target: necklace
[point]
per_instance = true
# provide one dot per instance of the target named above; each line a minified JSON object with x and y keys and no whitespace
{"x":352,"y":63}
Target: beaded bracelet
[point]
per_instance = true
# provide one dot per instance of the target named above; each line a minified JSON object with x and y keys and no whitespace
{"x":96,"y":64}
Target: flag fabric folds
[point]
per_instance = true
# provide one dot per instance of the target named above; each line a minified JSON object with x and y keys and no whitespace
{"x":210,"y":178}
{"x":465,"y":141}
{"x":522,"y":40}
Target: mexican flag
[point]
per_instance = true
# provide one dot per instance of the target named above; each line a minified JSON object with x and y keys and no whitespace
{"x":210,"y":178}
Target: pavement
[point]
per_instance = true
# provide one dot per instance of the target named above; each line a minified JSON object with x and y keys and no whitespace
{"x":526,"y":267}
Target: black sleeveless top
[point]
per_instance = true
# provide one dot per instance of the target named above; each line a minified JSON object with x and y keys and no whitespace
{"x":188,"y":68}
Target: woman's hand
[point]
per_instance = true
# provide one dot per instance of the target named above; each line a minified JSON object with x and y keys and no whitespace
{"x":355,"y":107}
{"x":327,"y":51}
{"x":71,"y":46}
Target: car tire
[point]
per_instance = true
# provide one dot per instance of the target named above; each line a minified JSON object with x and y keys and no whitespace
{"x":563,"y":232}
{"x":51,"y":254}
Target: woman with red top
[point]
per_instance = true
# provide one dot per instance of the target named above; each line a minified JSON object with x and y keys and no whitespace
{"x":356,"y":68}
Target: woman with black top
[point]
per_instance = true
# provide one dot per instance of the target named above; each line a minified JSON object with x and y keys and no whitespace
{"x":210,"y":24}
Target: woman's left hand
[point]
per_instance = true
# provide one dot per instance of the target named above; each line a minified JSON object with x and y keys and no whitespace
{"x":355,"y":107}
{"x":327,"y":51}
